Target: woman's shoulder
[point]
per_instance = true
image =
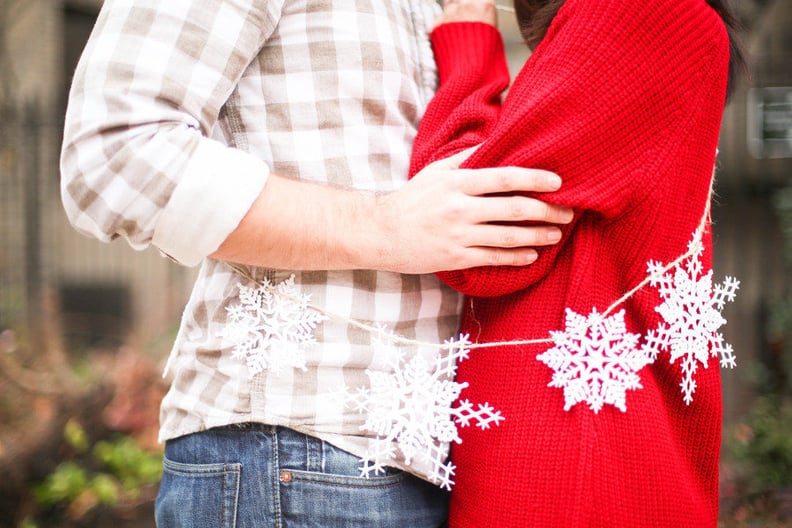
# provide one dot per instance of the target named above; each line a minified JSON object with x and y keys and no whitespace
{"x":650,"y":16}
{"x":640,"y":27}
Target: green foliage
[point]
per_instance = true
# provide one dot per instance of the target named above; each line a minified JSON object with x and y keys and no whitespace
{"x":762,"y":445}
{"x":782,"y":200}
{"x":63,"y":485}
{"x":781,"y":309}
{"x":105,"y":488}
{"x":28,"y":523}
{"x":75,"y":436}
{"x":131,"y":464}
{"x":106,"y":474}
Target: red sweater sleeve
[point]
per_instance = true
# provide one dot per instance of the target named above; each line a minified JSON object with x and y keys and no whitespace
{"x":466,"y":107}
{"x":602,"y":101}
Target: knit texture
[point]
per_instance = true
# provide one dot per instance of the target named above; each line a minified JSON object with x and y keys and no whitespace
{"x":623,"y":99}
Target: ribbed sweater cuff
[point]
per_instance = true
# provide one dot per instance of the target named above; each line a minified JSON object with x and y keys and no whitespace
{"x":468,"y":48}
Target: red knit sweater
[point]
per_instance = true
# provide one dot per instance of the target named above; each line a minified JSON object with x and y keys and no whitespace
{"x":623,"y":99}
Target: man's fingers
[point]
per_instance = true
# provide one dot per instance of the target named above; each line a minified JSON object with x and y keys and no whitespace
{"x":511,"y":209}
{"x":511,"y":237}
{"x":451,"y":218}
{"x":507,"y":179}
{"x":495,"y":237}
{"x":484,"y":256}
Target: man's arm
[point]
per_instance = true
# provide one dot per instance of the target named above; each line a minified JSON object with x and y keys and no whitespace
{"x":137,"y":162}
{"x":442,"y":219}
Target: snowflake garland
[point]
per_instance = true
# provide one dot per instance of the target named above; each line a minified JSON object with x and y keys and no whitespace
{"x":410,"y":408}
{"x":595,"y":360}
{"x":691,"y":315}
{"x":413,"y":407}
{"x":271,"y":326}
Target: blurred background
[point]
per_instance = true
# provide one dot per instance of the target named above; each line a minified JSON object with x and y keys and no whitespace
{"x":85,"y":327}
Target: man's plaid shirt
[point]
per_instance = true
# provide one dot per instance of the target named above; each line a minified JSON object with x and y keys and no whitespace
{"x":178,"y":112}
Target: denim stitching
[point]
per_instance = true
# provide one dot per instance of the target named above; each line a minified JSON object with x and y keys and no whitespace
{"x":197,"y":470}
{"x":347,"y":481}
{"x":315,"y":453}
{"x":276,"y":499}
{"x":235,"y":473}
{"x":308,"y":453}
{"x":224,"y":497}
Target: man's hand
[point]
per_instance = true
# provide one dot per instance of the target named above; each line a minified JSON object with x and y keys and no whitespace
{"x":468,"y":11}
{"x":442,"y":219}
{"x":445,"y":218}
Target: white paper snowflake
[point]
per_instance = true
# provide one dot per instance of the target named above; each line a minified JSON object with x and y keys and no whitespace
{"x":410,"y":408}
{"x":691,"y":315}
{"x":595,"y":360}
{"x":270,"y":326}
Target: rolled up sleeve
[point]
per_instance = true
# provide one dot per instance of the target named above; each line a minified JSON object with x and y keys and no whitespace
{"x":138,"y":160}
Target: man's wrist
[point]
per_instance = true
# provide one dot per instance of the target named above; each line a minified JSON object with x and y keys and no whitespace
{"x":365,"y":240}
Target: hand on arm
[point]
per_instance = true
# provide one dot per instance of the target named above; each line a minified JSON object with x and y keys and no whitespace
{"x":579,"y":107}
{"x":465,"y":111}
{"x":441,"y":219}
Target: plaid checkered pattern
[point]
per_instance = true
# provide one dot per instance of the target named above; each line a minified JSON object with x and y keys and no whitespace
{"x":179,"y":110}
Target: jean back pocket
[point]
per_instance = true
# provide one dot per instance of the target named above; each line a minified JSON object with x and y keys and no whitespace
{"x":198,"y":495}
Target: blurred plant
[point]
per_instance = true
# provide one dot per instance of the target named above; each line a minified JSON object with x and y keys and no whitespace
{"x":759,"y":448}
{"x":111,"y":472}
{"x":82,"y":428}
{"x":781,"y":310}
{"x":133,"y":466}
{"x":762,"y":445}
{"x":758,"y":455}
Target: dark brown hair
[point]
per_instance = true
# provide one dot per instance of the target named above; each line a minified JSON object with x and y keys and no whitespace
{"x":534,"y":18}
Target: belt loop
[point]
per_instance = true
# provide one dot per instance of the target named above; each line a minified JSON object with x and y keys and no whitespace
{"x":314,"y":459}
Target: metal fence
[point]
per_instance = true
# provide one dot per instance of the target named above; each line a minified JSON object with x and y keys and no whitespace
{"x":101,"y":291}
{"x":21,"y":134}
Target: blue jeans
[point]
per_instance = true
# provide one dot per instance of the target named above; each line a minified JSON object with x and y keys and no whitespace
{"x":257,"y":476}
